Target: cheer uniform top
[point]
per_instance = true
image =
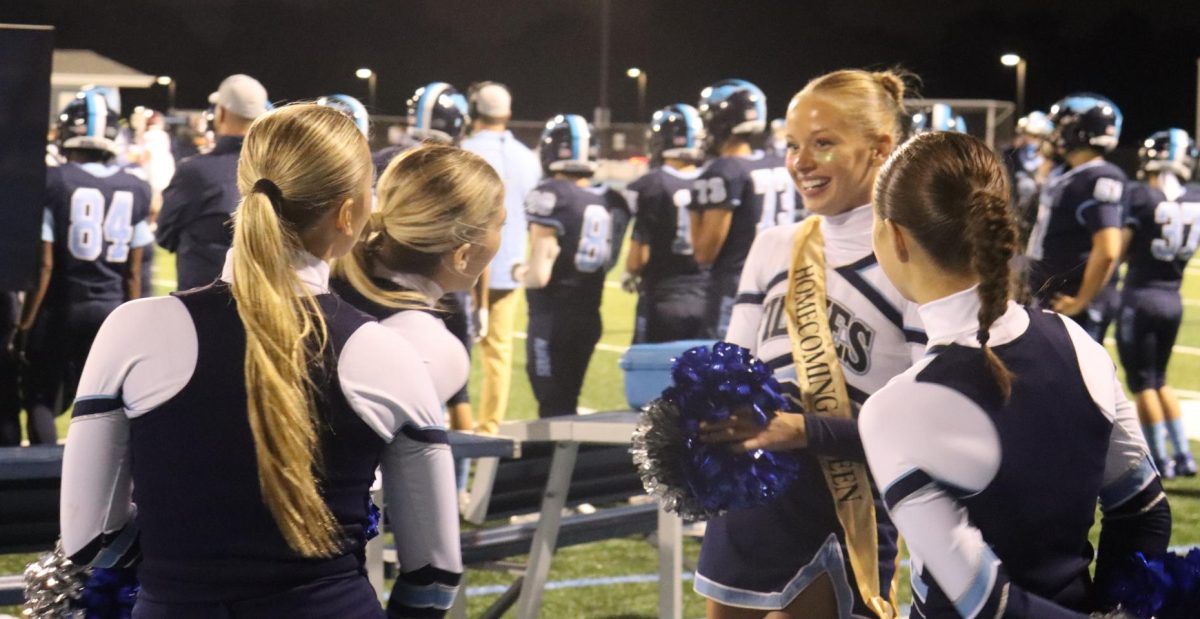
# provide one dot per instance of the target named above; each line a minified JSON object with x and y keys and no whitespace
{"x":994,"y":498}
{"x":763,"y":557}
{"x":160,"y":422}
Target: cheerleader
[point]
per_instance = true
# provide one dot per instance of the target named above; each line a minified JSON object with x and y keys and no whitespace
{"x":575,"y":233}
{"x":1162,"y":232}
{"x":440,"y":213}
{"x":993,"y":449}
{"x":813,"y":291}
{"x":248,"y":429}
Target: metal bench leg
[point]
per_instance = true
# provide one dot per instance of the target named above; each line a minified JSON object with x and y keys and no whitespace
{"x":458,"y":610}
{"x":670,"y":566}
{"x":545,"y":538}
{"x":481,"y":490}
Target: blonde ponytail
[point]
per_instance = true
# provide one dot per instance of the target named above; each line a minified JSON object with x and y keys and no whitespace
{"x":432,"y":199}
{"x":298,"y":164}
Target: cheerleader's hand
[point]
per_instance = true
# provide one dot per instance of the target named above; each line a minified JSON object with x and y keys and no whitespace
{"x":782,"y":433}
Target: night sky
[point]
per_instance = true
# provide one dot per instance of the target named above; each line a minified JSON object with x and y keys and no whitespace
{"x":1140,"y":53}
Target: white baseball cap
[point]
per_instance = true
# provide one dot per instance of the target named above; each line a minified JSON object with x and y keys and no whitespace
{"x":493,"y":100}
{"x":242,"y":95}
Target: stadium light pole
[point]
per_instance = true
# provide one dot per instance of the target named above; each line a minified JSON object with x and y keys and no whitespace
{"x":371,"y":77}
{"x":641,"y":78}
{"x":165,"y":80}
{"x":1013,"y":60}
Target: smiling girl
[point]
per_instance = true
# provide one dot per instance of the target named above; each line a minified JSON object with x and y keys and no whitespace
{"x":814,"y":291}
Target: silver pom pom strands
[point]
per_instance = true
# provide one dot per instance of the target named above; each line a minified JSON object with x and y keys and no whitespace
{"x":659,"y":445}
{"x":52,"y":583}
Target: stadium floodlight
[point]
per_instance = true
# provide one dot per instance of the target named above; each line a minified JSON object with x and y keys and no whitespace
{"x":640,"y":76}
{"x":371,"y":77}
{"x":163,"y":80}
{"x":1013,"y":60}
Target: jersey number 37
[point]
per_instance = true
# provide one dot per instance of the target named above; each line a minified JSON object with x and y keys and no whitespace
{"x":1180,"y":225}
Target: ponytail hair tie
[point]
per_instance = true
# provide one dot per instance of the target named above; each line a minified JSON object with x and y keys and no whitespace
{"x":271,"y":190}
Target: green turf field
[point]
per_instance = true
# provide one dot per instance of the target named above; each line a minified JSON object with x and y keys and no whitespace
{"x":603,"y":389}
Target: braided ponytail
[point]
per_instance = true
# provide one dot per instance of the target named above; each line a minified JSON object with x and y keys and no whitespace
{"x":994,"y":240}
{"x":952,"y":193}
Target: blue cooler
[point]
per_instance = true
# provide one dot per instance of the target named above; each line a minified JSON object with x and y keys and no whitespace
{"x":648,"y":368}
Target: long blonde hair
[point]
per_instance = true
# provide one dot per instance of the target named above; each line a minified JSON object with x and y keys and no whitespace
{"x":431,"y":200}
{"x":298,"y":164}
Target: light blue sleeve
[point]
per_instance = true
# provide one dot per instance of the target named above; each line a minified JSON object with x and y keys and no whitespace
{"x":142,"y":235}
{"x":47,"y":226}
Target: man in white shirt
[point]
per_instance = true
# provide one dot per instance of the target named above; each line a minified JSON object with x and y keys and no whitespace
{"x":491,"y":109}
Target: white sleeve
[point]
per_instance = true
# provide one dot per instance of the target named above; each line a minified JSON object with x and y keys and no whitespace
{"x":1128,"y":468}
{"x":386,"y":383}
{"x":443,"y":354}
{"x":922,"y":440}
{"x":96,"y":499}
{"x":748,"y":305}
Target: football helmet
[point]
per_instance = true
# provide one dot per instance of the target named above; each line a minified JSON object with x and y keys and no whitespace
{"x":676,"y":132}
{"x":87,"y":122}
{"x":437,"y":112}
{"x":350,"y":107}
{"x":569,"y":145}
{"x":937,"y":117}
{"x":1172,"y":150}
{"x":732,"y":107}
{"x":1085,"y":120}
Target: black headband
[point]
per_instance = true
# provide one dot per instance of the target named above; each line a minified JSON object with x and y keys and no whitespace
{"x":271,"y":190}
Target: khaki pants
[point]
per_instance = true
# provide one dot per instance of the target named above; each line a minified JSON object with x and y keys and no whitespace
{"x":497,"y":357}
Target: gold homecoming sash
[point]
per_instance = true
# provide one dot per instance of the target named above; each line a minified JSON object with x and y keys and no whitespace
{"x":823,"y":391}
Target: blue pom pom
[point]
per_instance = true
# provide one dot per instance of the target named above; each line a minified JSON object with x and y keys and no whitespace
{"x":374,"y":516}
{"x":709,"y":386}
{"x":109,"y":593}
{"x":1163,"y":586}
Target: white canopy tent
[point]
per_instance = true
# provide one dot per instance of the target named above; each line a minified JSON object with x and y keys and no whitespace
{"x":75,"y":68}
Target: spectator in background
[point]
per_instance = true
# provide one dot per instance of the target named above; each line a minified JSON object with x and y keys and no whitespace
{"x":519,"y":169}
{"x":194,"y":222}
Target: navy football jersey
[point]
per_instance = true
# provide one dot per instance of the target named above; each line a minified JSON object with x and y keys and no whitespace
{"x":759,"y":191}
{"x":660,"y":199}
{"x":1166,"y":234}
{"x":94,"y":216}
{"x":1074,"y":204}
{"x":590,"y":225}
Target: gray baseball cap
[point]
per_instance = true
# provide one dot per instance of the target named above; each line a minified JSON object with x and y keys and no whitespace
{"x":243,"y":95}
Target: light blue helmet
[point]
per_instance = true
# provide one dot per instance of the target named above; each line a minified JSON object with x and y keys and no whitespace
{"x":350,"y":107}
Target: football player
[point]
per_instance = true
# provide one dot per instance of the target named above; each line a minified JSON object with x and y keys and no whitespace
{"x":938,"y":117}
{"x":436,"y":112}
{"x":741,"y":192}
{"x":1162,"y":232}
{"x":575,"y":233}
{"x":93,"y":234}
{"x":1076,"y":241}
{"x":672,"y":289}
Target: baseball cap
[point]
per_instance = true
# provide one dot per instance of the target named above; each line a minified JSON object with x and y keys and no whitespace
{"x":242,"y":95}
{"x":493,"y":100}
